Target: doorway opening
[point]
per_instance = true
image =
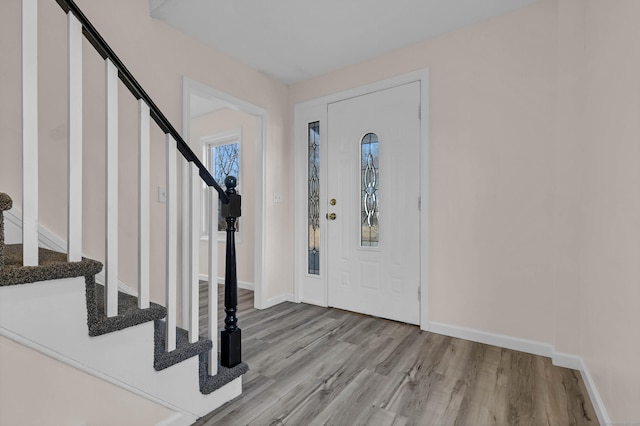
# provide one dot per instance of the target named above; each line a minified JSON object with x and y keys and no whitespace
{"x":209,"y":114}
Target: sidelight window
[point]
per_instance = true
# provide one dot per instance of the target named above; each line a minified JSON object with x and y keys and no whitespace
{"x":314,"y":198}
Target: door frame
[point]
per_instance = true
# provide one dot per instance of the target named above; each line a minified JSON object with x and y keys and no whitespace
{"x":313,"y":289}
{"x":190,"y":86}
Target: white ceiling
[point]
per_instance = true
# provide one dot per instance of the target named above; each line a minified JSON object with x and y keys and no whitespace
{"x":293,"y":40}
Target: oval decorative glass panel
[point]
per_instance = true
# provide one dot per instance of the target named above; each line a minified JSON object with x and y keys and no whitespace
{"x":369,"y":184}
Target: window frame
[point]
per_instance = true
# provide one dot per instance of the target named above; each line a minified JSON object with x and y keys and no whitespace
{"x":207,"y":143}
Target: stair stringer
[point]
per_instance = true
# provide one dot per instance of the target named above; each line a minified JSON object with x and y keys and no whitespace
{"x":51,"y":316}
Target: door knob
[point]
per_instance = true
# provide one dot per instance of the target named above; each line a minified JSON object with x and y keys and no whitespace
{"x":331,"y":216}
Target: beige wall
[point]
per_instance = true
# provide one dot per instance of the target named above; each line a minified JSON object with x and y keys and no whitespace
{"x":533,"y":177}
{"x":609,"y":225}
{"x":210,"y":125}
{"x":159,"y":57}
{"x":534,"y":148}
{"x":58,"y":394}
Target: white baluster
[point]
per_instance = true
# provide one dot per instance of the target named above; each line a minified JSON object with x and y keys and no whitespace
{"x":74,"y":218}
{"x":111,"y":250}
{"x":194,"y":255}
{"x":172,"y":239}
{"x":212,"y":326}
{"x":30,"y":132}
{"x":186,"y":237}
{"x":143,"y":204}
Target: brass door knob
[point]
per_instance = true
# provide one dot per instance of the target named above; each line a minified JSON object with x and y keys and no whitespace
{"x":331,"y":216}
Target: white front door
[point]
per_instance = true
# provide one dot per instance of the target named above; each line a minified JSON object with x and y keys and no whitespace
{"x":373,"y":189}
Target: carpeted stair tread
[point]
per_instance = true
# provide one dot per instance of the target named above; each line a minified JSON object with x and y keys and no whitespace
{"x":184,"y":350}
{"x":51,"y":265}
{"x":128,"y":312}
{"x":209,"y":384}
{"x":5,"y":202}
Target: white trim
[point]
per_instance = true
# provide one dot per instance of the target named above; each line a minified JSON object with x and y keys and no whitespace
{"x":425,"y":148}
{"x":260,"y":114}
{"x":508,"y":342}
{"x":178,"y":419}
{"x":85,"y":368}
{"x":532,"y":347}
{"x":308,"y":288}
{"x":206,"y":144}
{"x":305,"y":111}
{"x":594,"y":395}
{"x":241,"y":284}
{"x":49,"y":240}
{"x":273,"y":301}
{"x":562,"y":359}
{"x":576,"y":362}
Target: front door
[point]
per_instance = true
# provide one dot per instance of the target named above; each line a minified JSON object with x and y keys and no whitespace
{"x":373,"y":219}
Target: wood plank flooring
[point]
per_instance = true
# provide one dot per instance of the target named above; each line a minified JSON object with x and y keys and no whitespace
{"x":321,"y":366}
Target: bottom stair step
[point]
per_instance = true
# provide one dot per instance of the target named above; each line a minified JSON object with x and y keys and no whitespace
{"x":185,"y":350}
{"x":210,"y":384}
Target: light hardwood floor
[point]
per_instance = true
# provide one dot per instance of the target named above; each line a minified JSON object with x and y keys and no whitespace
{"x":321,"y":366}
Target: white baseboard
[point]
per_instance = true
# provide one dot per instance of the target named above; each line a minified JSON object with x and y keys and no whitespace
{"x":576,"y":362}
{"x":571,"y":361}
{"x":312,"y":302}
{"x":287,"y":297}
{"x":241,"y":284}
{"x":51,"y":241}
{"x":508,"y":342}
{"x":178,"y":419}
{"x":529,"y":346}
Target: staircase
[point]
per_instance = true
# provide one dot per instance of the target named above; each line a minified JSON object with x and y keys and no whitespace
{"x":70,"y":307}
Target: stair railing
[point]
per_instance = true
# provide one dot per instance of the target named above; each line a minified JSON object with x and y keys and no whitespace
{"x":78,"y":26}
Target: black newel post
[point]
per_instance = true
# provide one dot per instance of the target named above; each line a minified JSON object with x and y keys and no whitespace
{"x":230,"y":354}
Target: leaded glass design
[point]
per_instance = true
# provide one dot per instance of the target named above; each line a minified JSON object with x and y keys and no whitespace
{"x":369,"y":183}
{"x":314,"y":198}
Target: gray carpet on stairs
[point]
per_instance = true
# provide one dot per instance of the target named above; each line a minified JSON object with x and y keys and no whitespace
{"x":184,"y":349}
{"x":51,"y":265}
{"x":128,"y":312}
{"x":209,"y":384}
{"x":5,"y":204}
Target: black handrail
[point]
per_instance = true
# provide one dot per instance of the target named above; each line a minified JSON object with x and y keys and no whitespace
{"x":104,"y":50}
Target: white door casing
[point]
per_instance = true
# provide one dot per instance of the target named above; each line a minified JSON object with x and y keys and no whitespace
{"x":382,"y":277}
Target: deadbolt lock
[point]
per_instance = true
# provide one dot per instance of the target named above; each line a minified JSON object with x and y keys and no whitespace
{"x":332,"y":202}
